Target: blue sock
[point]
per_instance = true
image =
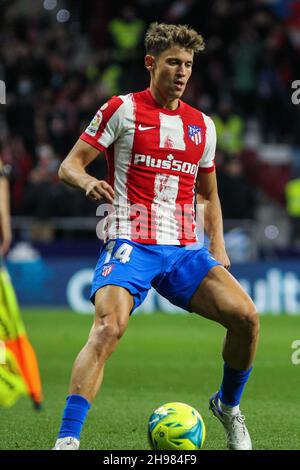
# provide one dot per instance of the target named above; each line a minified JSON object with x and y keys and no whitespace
{"x":74,"y":416}
{"x":233,"y":385}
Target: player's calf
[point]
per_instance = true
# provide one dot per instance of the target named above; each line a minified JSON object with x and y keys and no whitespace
{"x":242,"y":323}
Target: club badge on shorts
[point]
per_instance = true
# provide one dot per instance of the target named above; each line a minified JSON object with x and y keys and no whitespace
{"x":107,"y":270}
{"x":195,"y":134}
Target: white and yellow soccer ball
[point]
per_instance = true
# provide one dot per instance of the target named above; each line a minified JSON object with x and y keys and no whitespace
{"x":176,"y":426}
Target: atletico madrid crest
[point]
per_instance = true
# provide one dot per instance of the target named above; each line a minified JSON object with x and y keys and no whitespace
{"x":107,"y":270}
{"x":195,"y":134}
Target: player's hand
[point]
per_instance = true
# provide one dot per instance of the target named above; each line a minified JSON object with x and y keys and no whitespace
{"x":98,"y":191}
{"x":218,"y":251}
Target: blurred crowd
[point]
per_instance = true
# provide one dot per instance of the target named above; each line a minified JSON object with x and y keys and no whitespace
{"x":62,"y":60}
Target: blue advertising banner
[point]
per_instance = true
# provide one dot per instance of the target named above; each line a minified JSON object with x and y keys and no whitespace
{"x":274,"y":287}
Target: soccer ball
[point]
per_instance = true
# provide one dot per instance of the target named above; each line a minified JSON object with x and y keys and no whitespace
{"x":176,"y":426}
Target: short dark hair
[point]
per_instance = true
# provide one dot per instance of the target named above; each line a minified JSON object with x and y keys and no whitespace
{"x":162,"y":36}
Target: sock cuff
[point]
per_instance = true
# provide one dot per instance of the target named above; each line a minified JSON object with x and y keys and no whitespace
{"x":241,"y":373}
{"x":233,"y":385}
{"x":74,"y":416}
{"x":78,"y":400}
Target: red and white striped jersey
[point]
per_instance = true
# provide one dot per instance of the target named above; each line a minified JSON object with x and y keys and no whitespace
{"x":153,"y":156}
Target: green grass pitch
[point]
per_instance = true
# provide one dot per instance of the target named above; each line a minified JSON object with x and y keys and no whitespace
{"x":161,"y":358}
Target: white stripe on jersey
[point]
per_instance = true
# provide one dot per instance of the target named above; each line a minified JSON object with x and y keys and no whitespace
{"x":171,"y":132}
{"x":207,"y":159}
{"x":163,"y":209}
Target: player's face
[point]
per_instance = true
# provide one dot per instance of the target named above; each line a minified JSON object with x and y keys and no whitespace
{"x":171,"y":71}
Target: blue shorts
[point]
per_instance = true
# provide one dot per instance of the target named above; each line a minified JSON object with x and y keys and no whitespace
{"x":174,"y":271}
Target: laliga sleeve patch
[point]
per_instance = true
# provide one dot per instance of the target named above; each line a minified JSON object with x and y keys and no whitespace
{"x":95,"y":124}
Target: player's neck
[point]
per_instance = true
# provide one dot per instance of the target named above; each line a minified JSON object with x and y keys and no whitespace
{"x":163,"y":101}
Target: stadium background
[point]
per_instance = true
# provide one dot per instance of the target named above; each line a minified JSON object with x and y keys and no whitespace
{"x":60,"y":60}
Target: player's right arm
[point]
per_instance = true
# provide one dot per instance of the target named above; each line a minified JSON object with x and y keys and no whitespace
{"x":102,"y":132}
{"x":72,"y":171}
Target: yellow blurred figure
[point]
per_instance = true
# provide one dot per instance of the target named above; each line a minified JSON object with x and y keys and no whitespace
{"x":19,"y":372}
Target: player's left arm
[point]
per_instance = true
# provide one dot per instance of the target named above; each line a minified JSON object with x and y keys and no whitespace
{"x":207,"y":194}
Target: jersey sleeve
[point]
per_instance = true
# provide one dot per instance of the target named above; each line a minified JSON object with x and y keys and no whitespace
{"x":207,"y":162}
{"x":106,"y":125}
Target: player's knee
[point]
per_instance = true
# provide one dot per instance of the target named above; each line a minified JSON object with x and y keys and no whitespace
{"x":247,"y":319}
{"x":110,"y":332}
{"x":113,"y":326}
{"x":104,"y":337}
{"x":122,"y":325}
{"x":108,"y":328}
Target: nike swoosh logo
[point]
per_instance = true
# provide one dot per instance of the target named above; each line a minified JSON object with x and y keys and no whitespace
{"x":145,"y":128}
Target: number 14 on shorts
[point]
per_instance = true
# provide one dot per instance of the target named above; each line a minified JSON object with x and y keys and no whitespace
{"x":122,"y":253}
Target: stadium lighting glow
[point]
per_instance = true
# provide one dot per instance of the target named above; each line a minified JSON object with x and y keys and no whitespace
{"x":50,"y":4}
{"x":272,"y":232}
{"x":63,"y":16}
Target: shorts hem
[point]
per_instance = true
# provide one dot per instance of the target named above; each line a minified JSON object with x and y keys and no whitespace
{"x":136,"y":302}
{"x":187,"y":307}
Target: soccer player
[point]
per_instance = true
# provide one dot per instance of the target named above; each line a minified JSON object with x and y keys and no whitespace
{"x":160,"y":152}
{"x":5,"y":228}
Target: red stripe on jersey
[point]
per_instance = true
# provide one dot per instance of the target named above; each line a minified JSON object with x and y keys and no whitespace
{"x":91,"y":140}
{"x":207,"y":170}
{"x":110,"y":159}
{"x":187,"y":185}
{"x":139,"y":178}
